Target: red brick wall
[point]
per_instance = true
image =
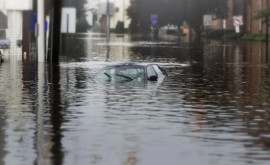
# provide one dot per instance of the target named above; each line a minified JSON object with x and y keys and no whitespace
{"x":254,"y":26}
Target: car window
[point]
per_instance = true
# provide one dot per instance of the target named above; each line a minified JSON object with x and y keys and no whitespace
{"x":135,"y":73}
{"x":150,"y":71}
{"x":131,"y":72}
{"x":104,"y":74}
{"x":140,"y":73}
{"x":158,"y":71}
{"x":120,"y":73}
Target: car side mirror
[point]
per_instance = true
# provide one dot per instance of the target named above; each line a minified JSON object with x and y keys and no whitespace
{"x":153,"y":78}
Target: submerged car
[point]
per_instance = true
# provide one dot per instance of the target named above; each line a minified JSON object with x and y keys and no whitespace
{"x":131,"y":72}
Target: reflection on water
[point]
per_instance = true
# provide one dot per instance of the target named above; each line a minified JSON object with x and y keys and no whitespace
{"x":213,"y":108}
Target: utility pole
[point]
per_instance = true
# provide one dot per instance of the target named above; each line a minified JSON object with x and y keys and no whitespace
{"x":41,"y":31}
{"x":108,"y":19}
{"x":55,"y":31}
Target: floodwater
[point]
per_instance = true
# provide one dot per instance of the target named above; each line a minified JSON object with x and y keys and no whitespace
{"x":214,"y":108}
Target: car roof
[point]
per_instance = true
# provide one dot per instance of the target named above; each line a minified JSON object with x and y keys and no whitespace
{"x":130,"y":64}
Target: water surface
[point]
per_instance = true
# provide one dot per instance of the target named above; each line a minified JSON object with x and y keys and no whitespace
{"x":212,"y":109}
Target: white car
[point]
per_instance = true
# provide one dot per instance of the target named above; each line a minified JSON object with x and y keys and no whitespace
{"x":131,"y":72}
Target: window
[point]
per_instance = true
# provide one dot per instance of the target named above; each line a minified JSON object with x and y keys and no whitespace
{"x":150,"y":71}
{"x":158,"y":71}
{"x":120,"y":73}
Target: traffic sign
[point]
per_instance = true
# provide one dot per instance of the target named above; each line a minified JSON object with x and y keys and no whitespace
{"x":207,"y":20}
{"x":154,"y":19}
{"x":68,"y":20}
{"x":238,"y":20}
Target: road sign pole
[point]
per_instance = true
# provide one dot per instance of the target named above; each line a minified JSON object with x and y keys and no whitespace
{"x":224,"y":29}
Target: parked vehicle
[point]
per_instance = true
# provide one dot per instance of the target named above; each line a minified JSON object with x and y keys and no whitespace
{"x":131,"y":72}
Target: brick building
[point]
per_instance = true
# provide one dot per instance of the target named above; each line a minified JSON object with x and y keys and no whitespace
{"x":252,"y":25}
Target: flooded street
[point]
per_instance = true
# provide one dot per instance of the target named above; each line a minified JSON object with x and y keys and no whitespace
{"x":214,"y":108}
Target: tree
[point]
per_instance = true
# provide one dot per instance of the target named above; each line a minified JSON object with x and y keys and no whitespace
{"x":133,"y":12}
{"x":140,"y":12}
{"x":195,"y":9}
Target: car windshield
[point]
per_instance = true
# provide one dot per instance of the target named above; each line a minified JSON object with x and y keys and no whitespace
{"x":121,"y":73}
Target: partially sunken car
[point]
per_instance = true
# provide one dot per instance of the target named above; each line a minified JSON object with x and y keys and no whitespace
{"x":131,"y":72}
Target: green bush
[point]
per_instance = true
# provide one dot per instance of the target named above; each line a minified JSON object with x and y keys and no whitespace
{"x":220,"y":34}
{"x":82,"y":25}
{"x":119,"y":27}
{"x":254,"y":37}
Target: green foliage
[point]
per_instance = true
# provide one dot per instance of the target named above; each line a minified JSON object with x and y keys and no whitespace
{"x":132,"y":12}
{"x":233,"y":36}
{"x":140,"y":17}
{"x":254,"y":37}
{"x":220,"y":34}
{"x":119,"y":27}
{"x":263,"y":14}
{"x":82,"y":25}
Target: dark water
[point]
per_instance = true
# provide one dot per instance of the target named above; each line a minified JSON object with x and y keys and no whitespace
{"x":213,"y":109}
